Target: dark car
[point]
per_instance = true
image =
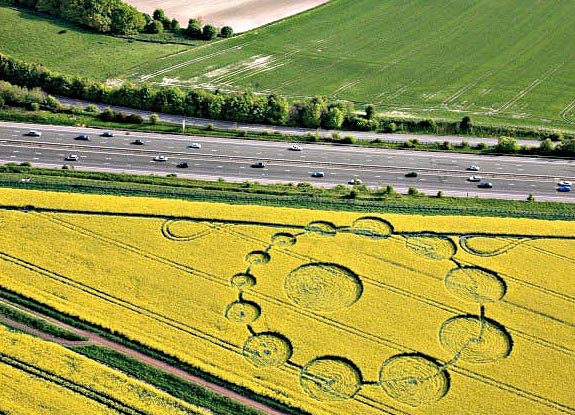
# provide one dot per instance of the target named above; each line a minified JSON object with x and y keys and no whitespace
{"x":138,"y":142}
{"x":107,"y":134}
{"x":318,"y":173}
{"x":411,"y":174}
{"x":259,"y":165}
{"x":33,"y":133}
{"x":83,"y":137}
{"x":485,"y":185}
{"x":183,"y":165}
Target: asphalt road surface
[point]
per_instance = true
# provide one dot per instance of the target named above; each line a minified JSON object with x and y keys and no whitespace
{"x":231,"y":159}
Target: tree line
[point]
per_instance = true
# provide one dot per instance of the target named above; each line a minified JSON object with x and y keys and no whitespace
{"x":117,"y":17}
{"x":248,"y":107}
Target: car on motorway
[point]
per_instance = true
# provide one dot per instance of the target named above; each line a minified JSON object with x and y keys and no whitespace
{"x":71,"y":157}
{"x":473,"y":168}
{"x":183,"y":165}
{"x":563,"y":188}
{"x":295,"y":147}
{"x":33,"y":133}
{"x":318,"y":173}
{"x":565,"y":183}
{"x":195,"y":145}
{"x":355,"y":181}
{"x":160,"y":158}
{"x":138,"y":142}
{"x":259,"y":165}
{"x":83,"y":137}
{"x":485,"y":185}
{"x":107,"y":134}
{"x":411,"y":174}
{"x":475,"y":178}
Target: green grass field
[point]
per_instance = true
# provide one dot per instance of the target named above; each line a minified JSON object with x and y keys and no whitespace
{"x":499,"y":61}
{"x":68,"y":49}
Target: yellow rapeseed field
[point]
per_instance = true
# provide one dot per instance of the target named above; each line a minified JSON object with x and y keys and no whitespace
{"x":332,"y":312}
{"x":41,"y":377}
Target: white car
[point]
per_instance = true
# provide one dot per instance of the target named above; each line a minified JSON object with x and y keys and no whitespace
{"x":355,"y":181}
{"x":71,"y":157}
{"x":473,"y":168}
{"x":295,"y":147}
{"x":195,"y":145}
{"x":34,"y":133}
{"x":475,"y":178}
{"x":564,"y":183}
{"x":160,"y":158}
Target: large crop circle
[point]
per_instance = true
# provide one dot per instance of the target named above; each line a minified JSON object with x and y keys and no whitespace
{"x":413,"y":379}
{"x":372,"y":227}
{"x":330,"y":379}
{"x":323,"y":287}
{"x":475,"y":340}
{"x":475,"y":285}
{"x":267,"y":350}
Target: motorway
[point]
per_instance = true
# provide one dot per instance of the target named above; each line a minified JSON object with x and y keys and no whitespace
{"x":231,"y":159}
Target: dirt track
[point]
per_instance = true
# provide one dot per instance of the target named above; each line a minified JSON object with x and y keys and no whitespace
{"x":241,"y":15}
{"x":94,"y":339}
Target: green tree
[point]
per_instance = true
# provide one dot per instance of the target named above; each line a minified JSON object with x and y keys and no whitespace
{"x":226,"y":32}
{"x":506,"y":145}
{"x":277,"y":110}
{"x":194,"y":30}
{"x":313,"y":112}
{"x":546,"y":146}
{"x":369,"y":112}
{"x":155,"y":26}
{"x":465,"y":125}
{"x":209,"y":32}
{"x":126,"y":20}
{"x":333,"y":118}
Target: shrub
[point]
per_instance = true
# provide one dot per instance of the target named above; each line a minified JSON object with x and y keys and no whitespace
{"x":154,"y":119}
{"x":412,"y":191}
{"x":134,"y":119}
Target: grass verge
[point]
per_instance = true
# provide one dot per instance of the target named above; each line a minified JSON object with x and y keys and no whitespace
{"x":39,"y":324}
{"x":167,"y":382}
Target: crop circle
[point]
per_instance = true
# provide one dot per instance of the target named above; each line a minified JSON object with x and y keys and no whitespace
{"x":243,"y":280}
{"x":242,"y":312}
{"x":258,"y":258}
{"x":330,"y":379}
{"x":475,"y":340}
{"x":267,"y":350}
{"x":432,"y":246}
{"x":323,"y":287}
{"x":475,"y":285}
{"x":372,"y":227}
{"x":322,"y":227}
{"x":283,"y":239}
{"x":413,"y":379}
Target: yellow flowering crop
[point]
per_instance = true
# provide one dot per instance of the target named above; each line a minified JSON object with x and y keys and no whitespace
{"x":332,"y":312}
{"x":41,"y":377}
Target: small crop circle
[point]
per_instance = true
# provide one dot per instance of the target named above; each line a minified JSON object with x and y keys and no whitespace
{"x":242,"y":312}
{"x":258,"y":258}
{"x":372,"y":227}
{"x":437,"y":247}
{"x":267,"y":350}
{"x":413,"y":379}
{"x":242,"y":281}
{"x":322,"y":227}
{"x":330,"y":379}
{"x":475,"y":340}
{"x":283,"y":239}
{"x":323,"y":287}
{"x":475,"y":285}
